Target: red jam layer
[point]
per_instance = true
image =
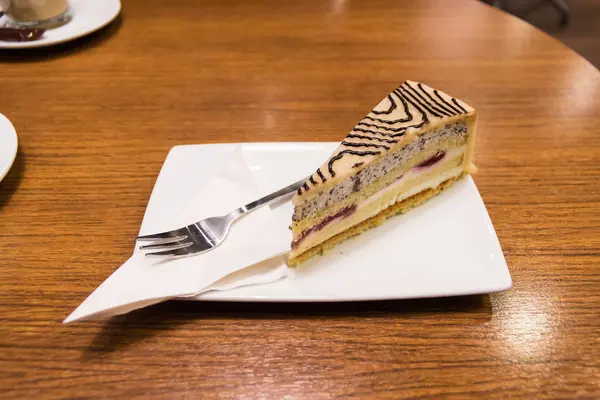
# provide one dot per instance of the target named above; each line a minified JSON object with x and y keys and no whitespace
{"x":343,"y":213}
{"x":437,"y":157}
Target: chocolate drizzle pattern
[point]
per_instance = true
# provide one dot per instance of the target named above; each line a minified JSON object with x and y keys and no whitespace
{"x":343,"y":152}
{"x":458,"y":105}
{"x":389,"y":110}
{"x":410,"y":106}
{"x":355,"y":136}
{"x":353,"y":144}
{"x":323,"y":179}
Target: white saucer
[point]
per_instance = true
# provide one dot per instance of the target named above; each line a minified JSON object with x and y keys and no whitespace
{"x":88,"y":17}
{"x":8,"y":145}
{"x":446,"y":247}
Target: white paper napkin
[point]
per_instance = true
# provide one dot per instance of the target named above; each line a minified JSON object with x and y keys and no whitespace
{"x":251,"y":254}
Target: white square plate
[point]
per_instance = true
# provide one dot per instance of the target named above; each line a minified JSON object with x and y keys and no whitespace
{"x":446,"y":247}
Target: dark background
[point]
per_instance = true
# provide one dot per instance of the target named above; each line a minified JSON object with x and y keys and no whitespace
{"x":582,"y":31}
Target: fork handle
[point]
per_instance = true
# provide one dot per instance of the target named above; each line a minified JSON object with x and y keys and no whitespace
{"x":267,"y":199}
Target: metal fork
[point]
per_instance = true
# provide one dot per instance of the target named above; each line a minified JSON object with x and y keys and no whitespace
{"x":207,"y":234}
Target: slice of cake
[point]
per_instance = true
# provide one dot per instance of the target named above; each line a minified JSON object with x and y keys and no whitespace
{"x":411,"y":146}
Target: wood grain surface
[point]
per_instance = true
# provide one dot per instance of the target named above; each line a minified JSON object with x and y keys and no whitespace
{"x":97,"y":117}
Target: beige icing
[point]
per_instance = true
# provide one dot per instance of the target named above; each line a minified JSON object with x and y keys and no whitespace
{"x":408,"y":110}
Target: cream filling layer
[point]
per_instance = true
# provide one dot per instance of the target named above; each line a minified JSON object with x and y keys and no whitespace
{"x":409,"y":176}
{"x":386,"y":197}
{"x":430,"y":184}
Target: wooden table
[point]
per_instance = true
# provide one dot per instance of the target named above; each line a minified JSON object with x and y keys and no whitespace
{"x":97,"y":117}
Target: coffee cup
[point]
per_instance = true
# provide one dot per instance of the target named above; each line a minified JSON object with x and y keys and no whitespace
{"x":36,"y":13}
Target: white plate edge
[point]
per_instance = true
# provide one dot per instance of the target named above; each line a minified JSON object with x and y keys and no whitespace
{"x":15,"y":151}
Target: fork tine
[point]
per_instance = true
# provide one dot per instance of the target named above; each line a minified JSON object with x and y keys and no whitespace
{"x":170,"y":241}
{"x":174,"y":234}
{"x":182,"y":251}
{"x":168,"y":245}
